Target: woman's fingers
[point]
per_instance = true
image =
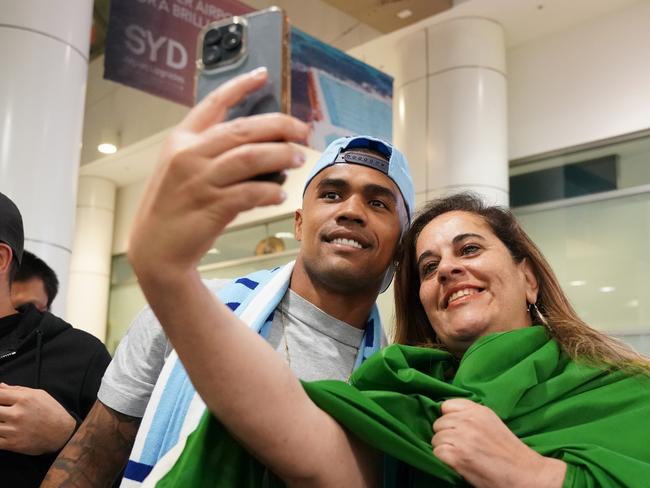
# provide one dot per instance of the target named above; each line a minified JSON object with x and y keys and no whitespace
{"x":213,"y":108}
{"x":220,"y":138}
{"x":244,"y":162}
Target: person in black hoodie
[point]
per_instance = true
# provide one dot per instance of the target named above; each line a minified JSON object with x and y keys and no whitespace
{"x":49,"y":372}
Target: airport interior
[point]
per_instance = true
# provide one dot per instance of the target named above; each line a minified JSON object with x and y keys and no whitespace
{"x":539,"y":105}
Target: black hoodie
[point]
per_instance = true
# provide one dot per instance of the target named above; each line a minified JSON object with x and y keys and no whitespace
{"x":39,"y":350}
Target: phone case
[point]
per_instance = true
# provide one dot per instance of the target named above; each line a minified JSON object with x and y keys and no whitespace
{"x":264,"y":42}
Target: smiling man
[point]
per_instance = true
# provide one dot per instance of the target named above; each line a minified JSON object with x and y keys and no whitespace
{"x":318,"y":313}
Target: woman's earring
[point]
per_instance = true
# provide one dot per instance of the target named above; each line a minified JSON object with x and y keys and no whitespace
{"x":534,"y":312}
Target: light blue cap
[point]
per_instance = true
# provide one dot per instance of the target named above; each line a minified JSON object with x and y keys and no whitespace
{"x":397,"y":168}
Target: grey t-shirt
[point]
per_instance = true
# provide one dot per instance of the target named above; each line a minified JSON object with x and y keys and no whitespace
{"x":316,"y":345}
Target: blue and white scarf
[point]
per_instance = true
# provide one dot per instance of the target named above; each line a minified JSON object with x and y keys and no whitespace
{"x":175,"y":408}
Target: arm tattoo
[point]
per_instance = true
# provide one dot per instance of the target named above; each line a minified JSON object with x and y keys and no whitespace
{"x":97,"y":452}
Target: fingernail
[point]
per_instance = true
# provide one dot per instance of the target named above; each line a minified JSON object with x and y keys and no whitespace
{"x":259,"y":72}
{"x":298,"y":159}
{"x":283,"y":196}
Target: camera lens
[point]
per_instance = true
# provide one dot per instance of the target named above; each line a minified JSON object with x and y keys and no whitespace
{"x":211,"y":55}
{"x":231,"y":41}
{"x":212,"y":37}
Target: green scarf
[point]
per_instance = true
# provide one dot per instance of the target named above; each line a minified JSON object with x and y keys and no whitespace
{"x":594,"y":420}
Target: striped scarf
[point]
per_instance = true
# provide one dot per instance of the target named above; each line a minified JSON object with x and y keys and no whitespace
{"x":175,"y":408}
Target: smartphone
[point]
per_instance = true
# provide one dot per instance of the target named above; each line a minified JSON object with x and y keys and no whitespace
{"x":229,"y":47}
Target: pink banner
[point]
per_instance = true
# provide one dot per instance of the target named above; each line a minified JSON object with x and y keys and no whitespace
{"x":151,"y":44}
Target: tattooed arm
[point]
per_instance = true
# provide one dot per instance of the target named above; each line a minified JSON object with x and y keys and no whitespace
{"x":97,"y":453}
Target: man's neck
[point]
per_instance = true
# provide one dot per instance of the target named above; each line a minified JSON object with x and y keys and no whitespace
{"x":6,"y":309}
{"x":351,"y":308}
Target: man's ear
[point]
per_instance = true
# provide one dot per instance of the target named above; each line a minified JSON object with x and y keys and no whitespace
{"x":530,"y":281}
{"x":6,"y":257}
{"x":297,"y":224}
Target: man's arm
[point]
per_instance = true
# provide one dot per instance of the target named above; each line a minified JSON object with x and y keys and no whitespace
{"x":96,"y":454}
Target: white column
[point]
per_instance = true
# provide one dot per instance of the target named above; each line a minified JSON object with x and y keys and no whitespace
{"x":44,"y":59}
{"x":451,"y":106}
{"x":90,"y":268}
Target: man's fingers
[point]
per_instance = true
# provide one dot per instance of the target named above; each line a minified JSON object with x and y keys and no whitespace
{"x":245,"y":130}
{"x":8,"y":396}
{"x":215,"y":106}
{"x":244,"y":162}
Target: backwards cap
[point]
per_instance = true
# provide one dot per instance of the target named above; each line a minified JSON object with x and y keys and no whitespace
{"x":396,"y":169}
{"x":11,"y":227}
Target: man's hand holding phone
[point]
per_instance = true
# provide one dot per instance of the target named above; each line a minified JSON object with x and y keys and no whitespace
{"x":204,"y":179}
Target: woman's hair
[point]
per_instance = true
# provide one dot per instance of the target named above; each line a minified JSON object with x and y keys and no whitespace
{"x":574,"y":336}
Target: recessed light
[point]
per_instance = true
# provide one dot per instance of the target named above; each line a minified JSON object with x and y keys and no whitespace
{"x":106,"y":148}
{"x":577,"y":283}
{"x":404,"y":14}
{"x":214,"y":250}
{"x":109,"y":141}
{"x":284,"y":235}
{"x":607,"y":289}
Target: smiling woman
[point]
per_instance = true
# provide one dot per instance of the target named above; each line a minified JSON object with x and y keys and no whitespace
{"x":478,"y":256}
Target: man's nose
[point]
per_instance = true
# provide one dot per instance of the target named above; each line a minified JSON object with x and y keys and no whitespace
{"x":353,"y":209}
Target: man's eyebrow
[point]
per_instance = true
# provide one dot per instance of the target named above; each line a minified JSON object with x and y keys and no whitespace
{"x":380,"y":190}
{"x":333,"y":183}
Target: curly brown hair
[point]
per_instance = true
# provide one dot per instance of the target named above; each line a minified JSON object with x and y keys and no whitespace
{"x":575,"y":337}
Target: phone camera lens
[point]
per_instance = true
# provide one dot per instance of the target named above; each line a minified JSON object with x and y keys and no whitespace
{"x":211,"y":55}
{"x":231,"y":41}
{"x":212,"y":37}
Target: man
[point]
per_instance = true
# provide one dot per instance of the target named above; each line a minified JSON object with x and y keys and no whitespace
{"x":35,"y":283}
{"x":318,"y":313}
{"x":49,"y":372}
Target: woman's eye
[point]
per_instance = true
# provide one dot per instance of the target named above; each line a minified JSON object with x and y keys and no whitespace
{"x":428,"y":268}
{"x":470,"y":249}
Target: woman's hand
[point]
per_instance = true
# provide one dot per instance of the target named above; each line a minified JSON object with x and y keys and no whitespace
{"x":474,"y":441}
{"x":203,"y":179}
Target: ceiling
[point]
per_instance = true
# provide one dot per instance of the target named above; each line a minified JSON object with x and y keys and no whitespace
{"x":381,"y":15}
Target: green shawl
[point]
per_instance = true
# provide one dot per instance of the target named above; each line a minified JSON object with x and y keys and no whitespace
{"x":594,"y":420}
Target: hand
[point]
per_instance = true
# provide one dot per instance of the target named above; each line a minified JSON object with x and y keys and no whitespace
{"x":474,"y":441}
{"x":202,"y":181}
{"x":31,"y":421}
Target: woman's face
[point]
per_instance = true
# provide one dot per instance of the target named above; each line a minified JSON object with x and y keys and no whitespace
{"x":470,"y":285}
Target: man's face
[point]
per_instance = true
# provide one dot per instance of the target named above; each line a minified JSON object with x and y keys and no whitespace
{"x":30,"y":291}
{"x":349,"y":227}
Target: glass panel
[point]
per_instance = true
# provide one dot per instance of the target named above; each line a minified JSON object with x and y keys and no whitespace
{"x":613,"y":166}
{"x":599,"y":251}
{"x":234,"y":255}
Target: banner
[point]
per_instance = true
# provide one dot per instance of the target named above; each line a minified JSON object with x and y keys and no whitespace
{"x":338,"y":95}
{"x":151,"y":44}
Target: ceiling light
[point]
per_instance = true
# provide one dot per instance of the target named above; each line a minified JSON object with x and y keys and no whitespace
{"x":404,"y":14}
{"x":214,"y":250}
{"x":109,"y":141}
{"x":107,"y":148}
{"x":578,"y":283}
{"x":284,"y":235}
{"x":607,"y":289}
{"x":632,"y":303}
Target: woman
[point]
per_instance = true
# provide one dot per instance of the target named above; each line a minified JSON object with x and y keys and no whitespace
{"x":499,"y":401}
